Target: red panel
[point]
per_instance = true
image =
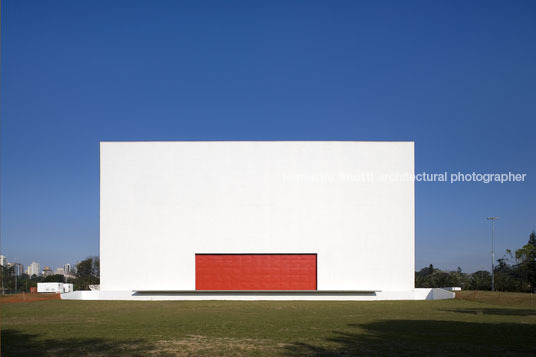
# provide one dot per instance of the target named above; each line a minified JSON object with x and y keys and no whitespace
{"x":255,"y":271}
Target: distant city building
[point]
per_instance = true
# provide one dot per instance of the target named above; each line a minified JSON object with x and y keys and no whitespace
{"x":18,"y":268}
{"x":3,"y":260}
{"x":47,"y":271}
{"x":67,"y":268}
{"x":59,"y":271}
{"x":34,"y":269}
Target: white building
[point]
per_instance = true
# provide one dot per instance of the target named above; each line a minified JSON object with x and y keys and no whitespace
{"x":34,"y":269}
{"x":257,"y":220}
{"x":3,"y":260}
{"x":54,"y":288}
{"x":66,"y":271}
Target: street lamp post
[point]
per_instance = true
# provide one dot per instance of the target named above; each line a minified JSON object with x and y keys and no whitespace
{"x":16,"y":273}
{"x":492,"y":219}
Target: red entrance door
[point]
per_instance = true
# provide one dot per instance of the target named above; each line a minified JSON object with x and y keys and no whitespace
{"x":255,"y":271}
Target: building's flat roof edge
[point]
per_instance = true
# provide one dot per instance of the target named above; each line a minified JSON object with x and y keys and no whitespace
{"x":257,"y":141}
{"x":141,"y":291}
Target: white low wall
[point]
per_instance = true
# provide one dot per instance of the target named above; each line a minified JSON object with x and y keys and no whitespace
{"x":81,"y":295}
{"x":441,"y":294}
{"x":416,"y":294}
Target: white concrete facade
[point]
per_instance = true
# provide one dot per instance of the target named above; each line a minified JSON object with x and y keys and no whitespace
{"x":348,"y":202}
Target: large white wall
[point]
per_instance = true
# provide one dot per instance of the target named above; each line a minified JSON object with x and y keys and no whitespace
{"x":162,"y":202}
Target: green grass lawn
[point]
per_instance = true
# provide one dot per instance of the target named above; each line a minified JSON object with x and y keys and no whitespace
{"x":213,"y":328}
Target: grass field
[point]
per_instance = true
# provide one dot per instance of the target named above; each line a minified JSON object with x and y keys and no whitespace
{"x":475,"y":324}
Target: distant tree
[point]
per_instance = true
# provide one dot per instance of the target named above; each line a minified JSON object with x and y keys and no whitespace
{"x":29,"y":283}
{"x":431,"y":277}
{"x":56,"y":278}
{"x":6,"y":279}
{"x":422,"y":277}
{"x":24,"y":283}
{"x":96,"y":266}
{"x":457,"y":278}
{"x":526,"y":259}
{"x":479,"y":280}
{"x":506,"y":274}
{"x":532,"y":238}
{"x":439,"y":279}
{"x":87,"y":273}
{"x":37,"y":278}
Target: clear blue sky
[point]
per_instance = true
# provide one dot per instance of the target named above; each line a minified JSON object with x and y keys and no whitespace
{"x":458,"y":77}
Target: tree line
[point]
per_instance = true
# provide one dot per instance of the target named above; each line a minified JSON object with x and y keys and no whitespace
{"x":87,"y":273}
{"x":515,"y":271}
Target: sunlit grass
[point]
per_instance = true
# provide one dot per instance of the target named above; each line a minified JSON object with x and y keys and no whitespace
{"x":211,"y":328}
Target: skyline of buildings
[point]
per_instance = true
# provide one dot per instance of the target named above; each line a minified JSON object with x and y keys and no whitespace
{"x":35,"y":268}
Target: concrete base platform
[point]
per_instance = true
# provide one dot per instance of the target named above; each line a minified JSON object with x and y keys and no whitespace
{"x":319,"y":295}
